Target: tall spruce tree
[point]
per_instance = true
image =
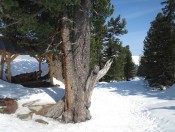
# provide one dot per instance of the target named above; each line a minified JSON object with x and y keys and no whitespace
{"x":129,"y":68}
{"x":158,"y":56}
{"x":141,"y":70}
{"x":153,"y":50}
{"x":169,"y":13}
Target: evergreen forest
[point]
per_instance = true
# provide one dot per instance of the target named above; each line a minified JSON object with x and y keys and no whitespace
{"x":158,"y":61}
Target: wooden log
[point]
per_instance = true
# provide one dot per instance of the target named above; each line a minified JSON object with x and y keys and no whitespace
{"x":9,"y":59}
{"x":2,"y":63}
{"x":40,"y":59}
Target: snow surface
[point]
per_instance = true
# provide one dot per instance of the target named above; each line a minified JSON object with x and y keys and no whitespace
{"x":136,"y":60}
{"x":116,"y":107}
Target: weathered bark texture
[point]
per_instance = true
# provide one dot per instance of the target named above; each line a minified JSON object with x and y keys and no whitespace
{"x":49,"y":57}
{"x":57,"y":71}
{"x":55,"y":111}
{"x":76,"y":65}
{"x":79,"y":83}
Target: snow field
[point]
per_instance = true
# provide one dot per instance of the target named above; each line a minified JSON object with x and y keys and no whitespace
{"x":116,"y":106}
{"x":110,"y":112}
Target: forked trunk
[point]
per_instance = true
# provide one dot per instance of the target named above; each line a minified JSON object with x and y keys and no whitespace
{"x":79,"y":83}
{"x":76,"y":65}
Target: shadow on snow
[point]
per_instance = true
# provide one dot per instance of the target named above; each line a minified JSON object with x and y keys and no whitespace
{"x":137,"y":87}
{"x":166,"y":107}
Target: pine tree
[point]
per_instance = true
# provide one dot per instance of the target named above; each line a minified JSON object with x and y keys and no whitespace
{"x":101,"y":10}
{"x":141,"y":70}
{"x":169,"y":13}
{"x":116,"y":72}
{"x":33,"y":23}
{"x":153,"y":55}
{"x":129,"y":68}
{"x":119,"y":67}
{"x":158,"y":56}
{"x":113,"y":47}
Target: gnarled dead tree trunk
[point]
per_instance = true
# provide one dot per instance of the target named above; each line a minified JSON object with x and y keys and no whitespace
{"x":79,"y":83}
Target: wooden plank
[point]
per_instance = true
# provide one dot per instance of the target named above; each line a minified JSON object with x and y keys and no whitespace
{"x":8,"y":66}
{"x":13,"y":57}
{"x":2,"y":63}
{"x":40,"y":59}
{"x":9,"y":59}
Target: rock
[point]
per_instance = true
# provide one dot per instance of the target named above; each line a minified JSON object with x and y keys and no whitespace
{"x":8,"y":106}
{"x":39,"y":109}
{"x":35,"y":108}
{"x":41,"y":121}
{"x":25,"y":117}
{"x":30,"y":103}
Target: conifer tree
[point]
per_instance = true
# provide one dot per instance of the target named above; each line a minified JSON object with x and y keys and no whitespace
{"x":113,"y":47}
{"x":158,"y":56}
{"x":169,"y":13}
{"x":153,"y":55}
{"x":141,"y":70}
{"x":129,"y":68}
{"x":101,"y":9}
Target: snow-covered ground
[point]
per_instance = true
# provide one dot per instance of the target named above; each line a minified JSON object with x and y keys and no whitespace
{"x":116,"y":107}
{"x":136,"y":60}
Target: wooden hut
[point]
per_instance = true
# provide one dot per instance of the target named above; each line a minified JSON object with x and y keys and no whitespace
{"x":9,"y":50}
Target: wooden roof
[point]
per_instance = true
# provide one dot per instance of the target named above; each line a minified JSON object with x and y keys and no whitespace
{"x":10,"y":45}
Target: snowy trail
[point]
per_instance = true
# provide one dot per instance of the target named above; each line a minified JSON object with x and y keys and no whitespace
{"x":111,"y":112}
{"x":120,"y":113}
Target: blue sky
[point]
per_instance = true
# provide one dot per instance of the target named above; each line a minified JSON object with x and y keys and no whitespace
{"x":138,"y":14}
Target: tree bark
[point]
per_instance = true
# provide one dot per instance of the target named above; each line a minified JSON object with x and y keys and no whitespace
{"x":76,"y":65}
{"x":79,"y":83}
{"x":57,"y":70}
{"x":49,"y":57}
{"x":2,"y":64}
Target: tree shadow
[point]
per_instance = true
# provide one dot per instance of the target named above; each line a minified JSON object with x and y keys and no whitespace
{"x":15,"y":91}
{"x":137,"y":87}
{"x":166,"y":107}
{"x":55,"y":93}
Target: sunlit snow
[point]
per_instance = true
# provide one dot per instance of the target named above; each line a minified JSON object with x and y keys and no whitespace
{"x":116,"y":107}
